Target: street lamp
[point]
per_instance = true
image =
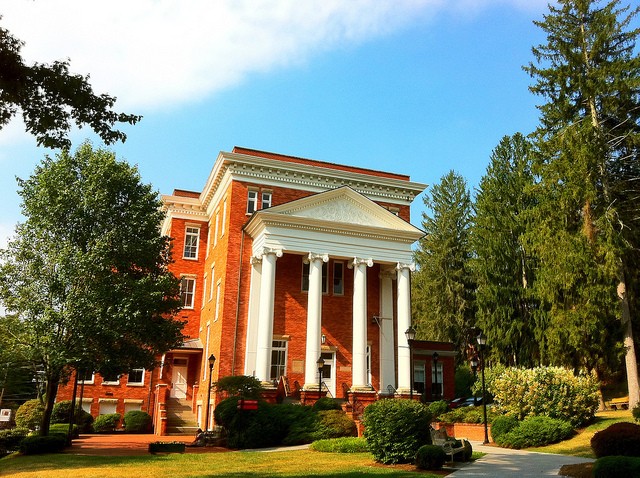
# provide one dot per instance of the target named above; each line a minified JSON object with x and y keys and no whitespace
{"x":212,"y":361}
{"x":320,"y":364}
{"x":474,"y":368}
{"x":482,"y":342}
{"x":435,"y":368}
{"x":410,"y":334}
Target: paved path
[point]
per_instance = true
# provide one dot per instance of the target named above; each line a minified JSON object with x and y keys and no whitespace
{"x":505,"y":463}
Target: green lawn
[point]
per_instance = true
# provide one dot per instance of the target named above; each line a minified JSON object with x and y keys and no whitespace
{"x":232,"y":464}
{"x":580,"y":444}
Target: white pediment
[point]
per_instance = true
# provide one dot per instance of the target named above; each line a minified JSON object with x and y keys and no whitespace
{"x":342,"y":205}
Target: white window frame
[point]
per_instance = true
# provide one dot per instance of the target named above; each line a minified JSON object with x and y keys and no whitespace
{"x":224,"y":217}
{"x":252,"y":201}
{"x":191,"y":232}
{"x":341,"y":292}
{"x":205,"y":358}
{"x":213,"y":281}
{"x":216,"y":230}
{"x":218,"y":287}
{"x":265,"y":199}
{"x":204,"y":290}
{"x":111,"y":382}
{"x":279,"y":346}
{"x":304,"y":285}
{"x":136,"y":384}
{"x":440,"y":378}
{"x":184,"y":280}
{"x":88,"y":382}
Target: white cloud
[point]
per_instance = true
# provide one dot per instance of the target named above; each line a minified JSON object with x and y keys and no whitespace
{"x":158,"y":53}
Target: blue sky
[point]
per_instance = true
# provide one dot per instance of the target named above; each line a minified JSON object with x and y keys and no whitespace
{"x":411,"y":86}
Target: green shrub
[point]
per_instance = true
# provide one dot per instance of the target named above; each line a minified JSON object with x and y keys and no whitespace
{"x":622,"y":439}
{"x":63,"y":429}
{"x":29,"y":414}
{"x":535,"y":431}
{"x":37,"y":445}
{"x":395,"y":429}
{"x":340,"y":445}
{"x":546,"y":391}
{"x":335,"y":424}
{"x":327,"y":403}
{"x":106,"y":423}
{"x":430,"y":457}
{"x":137,"y":421}
{"x":10,"y":439}
{"x":62,"y":410}
{"x":616,"y":466}
{"x":464,"y":380}
{"x":468,"y":415}
{"x":502,"y":425}
{"x":636,"y":413}
{"x":236,"y":385}
{"x":438,"y":408}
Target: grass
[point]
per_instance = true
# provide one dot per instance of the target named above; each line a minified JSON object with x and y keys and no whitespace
{"x":580,"y":444}
{"x":232,"y":464}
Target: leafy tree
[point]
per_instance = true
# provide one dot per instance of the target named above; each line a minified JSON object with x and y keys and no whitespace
{"x":49,"y":97}
{"x":442,"y":288}
{"x":86,"y":273}
{"x":588,"y":164}
{"x":502,"y":265}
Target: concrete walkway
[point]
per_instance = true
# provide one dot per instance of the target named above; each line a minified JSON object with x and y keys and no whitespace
{"x":505,"y":463}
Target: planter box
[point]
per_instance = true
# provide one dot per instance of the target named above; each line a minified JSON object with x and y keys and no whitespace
{"x":166,"y":447}
{"x":470,"y":431}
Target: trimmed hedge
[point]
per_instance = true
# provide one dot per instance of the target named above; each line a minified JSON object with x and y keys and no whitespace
{"x":468,"y":415}
{"x":430,"y":457}
{"x":340,"y":445}
{"x":327,"y":403}
{"x":10,"y":439}
{"x":63,"y":429}
{"x":535,"y":431}
{"x":396,"y":429}
{"x":29,"y":414}
{"x":62,"y":410}
{"x":137,"y":421}
{"x":106,"y":423}
{"x":622,"y":439}
{"x":37,"y":445}
{"x":502,"y":425}
{"x":616,"y":466}
{"x":438,"y":408}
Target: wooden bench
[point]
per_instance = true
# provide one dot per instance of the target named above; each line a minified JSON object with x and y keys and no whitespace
{"x":621,"y":403}
{"x":450,"y":445}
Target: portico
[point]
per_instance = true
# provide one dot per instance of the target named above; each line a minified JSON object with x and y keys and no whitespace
{"x":341,"y":226}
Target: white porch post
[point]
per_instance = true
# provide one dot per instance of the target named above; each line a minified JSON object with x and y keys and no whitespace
{"x":265,"y":313}
{"x":387,"y":355}
{"x":252,"y":320}
{"x":404,"y":322}
{"x":314,"y":319}
{"x":359,"y":352}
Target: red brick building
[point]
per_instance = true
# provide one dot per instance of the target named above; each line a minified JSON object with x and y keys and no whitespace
{"x":284,"y":260}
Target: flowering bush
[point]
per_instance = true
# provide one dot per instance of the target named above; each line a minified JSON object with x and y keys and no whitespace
{"x":546,"y":391}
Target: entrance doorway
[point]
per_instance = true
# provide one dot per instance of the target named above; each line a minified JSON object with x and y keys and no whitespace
{"x":179,"y":378}
{"x":329,"y":372}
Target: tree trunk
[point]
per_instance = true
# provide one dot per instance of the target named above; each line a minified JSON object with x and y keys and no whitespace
{"x":630,"y":356}
{"x":50,"y":398}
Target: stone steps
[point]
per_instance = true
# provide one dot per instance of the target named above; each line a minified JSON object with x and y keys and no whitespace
{"x":180,"y":419}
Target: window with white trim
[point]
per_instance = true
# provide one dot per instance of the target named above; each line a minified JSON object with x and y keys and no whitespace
{"x":191,"y":236}
{"x":135,"y":376}
{"x":418,"y":377}
{"x":131,"y":406}
{"x":266,"y":200}
{"x":224,"y":217}
{"x":205,"y":357}
{"x":107,"y":405}
{"x":305,"y":277}
{"x":110,"y":379}
{"x":338,"y":278}
{"x":278,"y":359}
{"x":86,"y":376}
{"x":204,"y":289}
{"x":252,"y":201}
{"x":218,"y":286}
{"x":436,"y":379}
{"x":213,"y":277}
{"x":215,"y":233}
{"x":187,"y":292}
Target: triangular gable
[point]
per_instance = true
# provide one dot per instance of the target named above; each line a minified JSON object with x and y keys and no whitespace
{"x":342,"y":205}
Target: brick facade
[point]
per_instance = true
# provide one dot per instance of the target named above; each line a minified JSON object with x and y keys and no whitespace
{"x":218,"y":323}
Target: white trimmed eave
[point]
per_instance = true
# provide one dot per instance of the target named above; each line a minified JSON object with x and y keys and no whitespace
{"x":181,"y":207}
{"x":273,"y":172}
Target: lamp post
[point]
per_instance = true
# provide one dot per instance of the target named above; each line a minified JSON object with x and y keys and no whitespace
{"x":434,"y":357}
{"x":320,"y":364}
{"x":410,"y":334}
{"x":212,"y":361}
{"x":474,"y":368}
{"x":482,"y":342}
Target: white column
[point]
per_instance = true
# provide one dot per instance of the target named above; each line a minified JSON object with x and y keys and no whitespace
{"x":387,"y":352}
{"x":404,"y":322}
{"x":265,"y":313}
{"x":314,"y":319}
{"x":359,"y":351}
{"x":252,"y":317}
